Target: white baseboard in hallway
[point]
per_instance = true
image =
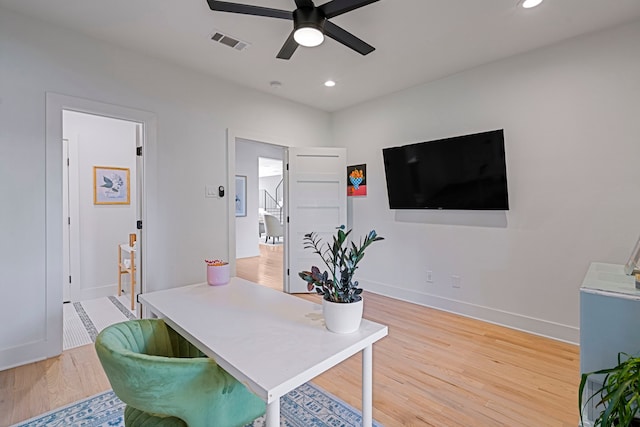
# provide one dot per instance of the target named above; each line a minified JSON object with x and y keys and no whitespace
{"x":84,"y":320}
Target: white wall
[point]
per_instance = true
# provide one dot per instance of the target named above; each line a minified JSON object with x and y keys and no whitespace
{"x":101,"y":141}
{"x":193,"y":112}
{"x":570,"y":114}
{"x":247,"y":153}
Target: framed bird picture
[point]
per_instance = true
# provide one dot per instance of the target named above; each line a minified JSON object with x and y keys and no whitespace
{"x":110,"y":186}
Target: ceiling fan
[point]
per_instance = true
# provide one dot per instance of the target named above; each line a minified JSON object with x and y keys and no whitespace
{"x":310,"y":23}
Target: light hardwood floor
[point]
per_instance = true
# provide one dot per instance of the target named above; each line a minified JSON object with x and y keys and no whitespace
{"x":434,"y":369}
{"x":439,"y":369}
{"x":265,"y":269}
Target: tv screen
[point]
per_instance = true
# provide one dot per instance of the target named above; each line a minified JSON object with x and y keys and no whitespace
{"x":463,"y":172}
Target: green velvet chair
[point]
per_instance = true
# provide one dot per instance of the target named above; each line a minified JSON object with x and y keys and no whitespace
{"x":166,"y":381}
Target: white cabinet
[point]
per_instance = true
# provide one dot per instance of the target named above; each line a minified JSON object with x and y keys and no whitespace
{"x":609,"y":321}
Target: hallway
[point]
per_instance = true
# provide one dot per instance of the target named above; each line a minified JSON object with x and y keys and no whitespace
{"x":266,"y":269}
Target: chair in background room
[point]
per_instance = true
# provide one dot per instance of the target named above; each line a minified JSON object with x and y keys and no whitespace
{"x":273,"y":228}
{"x":261,"y":225}
{"x":166,"y":381}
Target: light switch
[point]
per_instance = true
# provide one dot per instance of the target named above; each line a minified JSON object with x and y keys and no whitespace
{"x":210,"y":191}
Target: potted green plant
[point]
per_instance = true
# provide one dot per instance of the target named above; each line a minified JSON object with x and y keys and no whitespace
{"x":342,"y":301}
{"x":619,"y":395}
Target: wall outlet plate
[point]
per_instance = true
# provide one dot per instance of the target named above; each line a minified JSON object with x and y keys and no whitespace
{"x":455,"y":282}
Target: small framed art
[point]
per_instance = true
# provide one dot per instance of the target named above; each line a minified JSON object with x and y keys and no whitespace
{"x":241,"y":195}
{"x":111,"y":186}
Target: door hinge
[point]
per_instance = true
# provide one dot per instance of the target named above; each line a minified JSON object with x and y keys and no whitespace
{"x":287,"y":166}
{"x":287,"y":271}
{"x":69,"y":220}
{"x":67,"y":161}
{"x":69,"y":279}
{"x":287,"y":220}
{"x":138,"y":151}
{"x":139,"y":224}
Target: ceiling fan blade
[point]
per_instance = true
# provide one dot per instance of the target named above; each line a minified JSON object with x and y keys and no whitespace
{"x":304,"y":3}
{"x":246,"y":9}
{"x":288,"y":48}
{"x":338,"y":7}
{"x":347,"y":39}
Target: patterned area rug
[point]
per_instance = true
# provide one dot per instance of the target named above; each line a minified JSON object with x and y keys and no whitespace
{"x":306,"y":406}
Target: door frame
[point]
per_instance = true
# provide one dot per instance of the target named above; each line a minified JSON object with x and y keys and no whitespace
{"x":66,"y":228}
{"x":232,"y":136}
{"x":54,"y":105}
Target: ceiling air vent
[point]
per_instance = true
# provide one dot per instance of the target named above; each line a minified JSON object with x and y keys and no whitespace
{"x":227,"y":40}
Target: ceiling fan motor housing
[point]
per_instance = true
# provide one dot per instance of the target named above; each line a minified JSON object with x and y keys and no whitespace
{"x":309,"y":17}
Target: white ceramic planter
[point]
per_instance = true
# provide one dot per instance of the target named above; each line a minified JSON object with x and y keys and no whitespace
{"x":342,"y":318}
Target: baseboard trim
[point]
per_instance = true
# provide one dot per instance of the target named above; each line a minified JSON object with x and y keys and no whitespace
{"x":541,"y":327}
{"x":21,"y":355}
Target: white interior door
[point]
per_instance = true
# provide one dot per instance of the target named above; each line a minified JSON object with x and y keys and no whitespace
{"x":317,"y":201}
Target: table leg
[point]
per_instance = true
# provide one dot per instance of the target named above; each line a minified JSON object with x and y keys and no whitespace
{"x":273,"y":414}
{"x":367,"y":386}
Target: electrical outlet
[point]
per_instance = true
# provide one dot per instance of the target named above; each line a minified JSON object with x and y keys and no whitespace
{"x":429,"y":276}
{"x":455,"y":282}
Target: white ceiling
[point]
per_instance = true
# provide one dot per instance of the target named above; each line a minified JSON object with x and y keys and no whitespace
{"x":269,"y":167}
{"x":416,"y":41}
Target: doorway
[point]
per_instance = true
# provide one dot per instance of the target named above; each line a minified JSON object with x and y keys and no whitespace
{"x":101,"y":199}
{"x":259,"y":229}
{"x":271,"y":200}
{"x":315,"y":199}
{"x":101,"y":204}
{"x":52,"y":342}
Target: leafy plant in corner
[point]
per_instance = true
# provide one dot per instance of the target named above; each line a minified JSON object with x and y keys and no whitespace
{"x":619,"y":394}
{"x":341,"y":259}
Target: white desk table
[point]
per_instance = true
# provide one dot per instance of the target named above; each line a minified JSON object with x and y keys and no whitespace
{"x":270,"y":341}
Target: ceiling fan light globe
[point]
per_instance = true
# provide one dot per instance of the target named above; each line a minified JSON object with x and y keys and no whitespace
{"x":308,"y":36}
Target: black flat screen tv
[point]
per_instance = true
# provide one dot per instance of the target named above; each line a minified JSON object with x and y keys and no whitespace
{"x":463,"y":172}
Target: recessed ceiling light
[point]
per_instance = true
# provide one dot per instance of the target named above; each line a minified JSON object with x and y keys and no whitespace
{"x":528,"y":4}
{"x":329,"y":83}
{"x":275,"y":84}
